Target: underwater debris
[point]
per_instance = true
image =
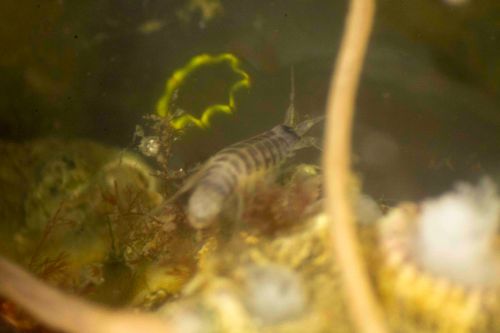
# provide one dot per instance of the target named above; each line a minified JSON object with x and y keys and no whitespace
{"x":54,"y":270}
{"x":291,"y":271}
{"x":163,"y":106}
{"x":150,"y":26}
{"x":57,"y":219}
{"x":136,"y":235}
{"x":278,"y":205}
{"x":157,"y":143}
{"x":208,"y":10}
{"x":446,"y":278}
{"x":149,"y":146}
{"x":300,"y":192}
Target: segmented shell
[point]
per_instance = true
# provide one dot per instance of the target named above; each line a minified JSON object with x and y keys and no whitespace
{"x":234,"y":166}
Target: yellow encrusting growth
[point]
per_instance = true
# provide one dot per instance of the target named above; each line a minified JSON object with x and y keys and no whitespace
{"x":180,"y":75}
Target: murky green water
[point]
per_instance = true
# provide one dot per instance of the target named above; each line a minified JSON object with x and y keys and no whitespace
{"x":427,"y":110}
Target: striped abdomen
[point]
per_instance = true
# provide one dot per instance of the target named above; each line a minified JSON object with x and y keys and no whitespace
{"x":232,"y":167}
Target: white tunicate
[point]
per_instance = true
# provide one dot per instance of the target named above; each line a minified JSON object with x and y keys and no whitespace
{"x":273,"y":293}
{"x":456,"y":234}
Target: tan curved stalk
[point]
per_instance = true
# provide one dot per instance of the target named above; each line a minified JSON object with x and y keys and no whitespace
{"x":68,"y":313}
{"x":363,"y":306}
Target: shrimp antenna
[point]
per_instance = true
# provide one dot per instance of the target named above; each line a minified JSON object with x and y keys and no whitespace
{"x":290,"y":117}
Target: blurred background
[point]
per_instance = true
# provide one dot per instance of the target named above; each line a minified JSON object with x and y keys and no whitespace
{"x":428,"y":110}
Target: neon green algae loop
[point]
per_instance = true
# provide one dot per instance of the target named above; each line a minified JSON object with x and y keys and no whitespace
{"x":180,"y":75}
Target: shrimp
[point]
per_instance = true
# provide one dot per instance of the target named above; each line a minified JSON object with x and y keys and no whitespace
{"x":231,"y":169}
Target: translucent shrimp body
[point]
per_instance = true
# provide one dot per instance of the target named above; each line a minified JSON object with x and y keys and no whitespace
{"x":232,"y":167}
{"x":228,"y":172}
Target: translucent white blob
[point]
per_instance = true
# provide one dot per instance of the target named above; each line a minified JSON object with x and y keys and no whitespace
{"x":457,"y":232}
{"x":367,"y":209}
{"x":274,"y":293}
